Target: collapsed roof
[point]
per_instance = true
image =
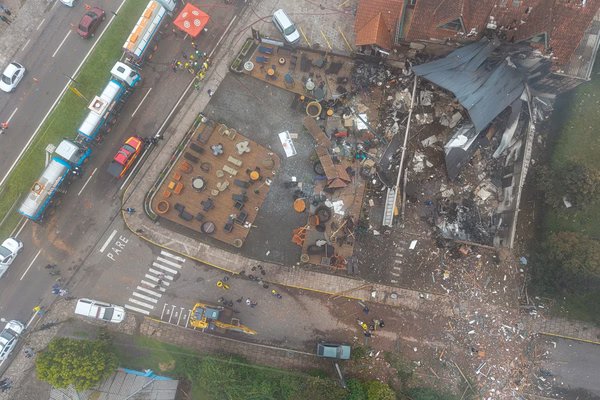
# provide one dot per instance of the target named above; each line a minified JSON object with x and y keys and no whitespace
{"x":483,"y":86}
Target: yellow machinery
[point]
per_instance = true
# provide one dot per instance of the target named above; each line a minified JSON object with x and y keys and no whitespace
{"x":209,"y":317}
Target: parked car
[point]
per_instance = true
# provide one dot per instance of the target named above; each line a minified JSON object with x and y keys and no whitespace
{"x":11,"y":77}
{"x":90,"y":22}
{"x":8,"y":252}
{"x":285,"y":25}
{"x":9,"y":337}
{"x":126,"y":156}
{"x":68,"y":3}
{"x":99,"y":310}
{"x":333,"y":350}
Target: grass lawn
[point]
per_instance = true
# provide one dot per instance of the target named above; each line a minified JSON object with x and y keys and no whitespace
{"x":218,"y":377}
{"x":69,"y":112}
{"x":576,"y":120}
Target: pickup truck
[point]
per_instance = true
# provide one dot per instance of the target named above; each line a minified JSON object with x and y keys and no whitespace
{"x":126,"y":156}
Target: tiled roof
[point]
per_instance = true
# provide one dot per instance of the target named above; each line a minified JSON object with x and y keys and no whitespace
{"x":564,"y":22}
{"x":367,"y":10}
{"x":375,"y":32}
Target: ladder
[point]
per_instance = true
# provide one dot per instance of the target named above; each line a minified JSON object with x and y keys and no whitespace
{"x":388,"y":212}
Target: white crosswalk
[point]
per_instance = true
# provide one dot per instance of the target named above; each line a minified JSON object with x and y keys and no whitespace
{"x":155,"y":282}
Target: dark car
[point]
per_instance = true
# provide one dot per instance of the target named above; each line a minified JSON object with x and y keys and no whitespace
{"x":90,"y":22}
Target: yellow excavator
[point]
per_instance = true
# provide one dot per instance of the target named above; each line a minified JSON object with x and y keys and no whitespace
{"x":215,"y":318}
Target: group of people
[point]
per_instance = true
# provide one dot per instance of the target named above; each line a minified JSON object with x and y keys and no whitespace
{"x":368,"y":329}
{"x":4,"y":18}
{"x":193,"y":63}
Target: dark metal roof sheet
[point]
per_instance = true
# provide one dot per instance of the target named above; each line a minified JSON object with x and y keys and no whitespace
{"x":484,"y":86}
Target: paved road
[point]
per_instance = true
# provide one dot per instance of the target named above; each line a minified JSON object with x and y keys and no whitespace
{"x":75,"y":227}
{"x":50,"y":55}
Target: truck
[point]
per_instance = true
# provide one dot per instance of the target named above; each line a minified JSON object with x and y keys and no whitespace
{"x":141,"y":42}
{"x":66,"y":158}
{"x":217,"y":318}
{"x":126,"y":156}
{"x":105,"y":108}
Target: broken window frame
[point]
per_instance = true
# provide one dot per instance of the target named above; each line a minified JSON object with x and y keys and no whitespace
{"x":455,"y":25}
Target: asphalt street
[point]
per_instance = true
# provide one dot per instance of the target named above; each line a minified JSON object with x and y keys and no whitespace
{"x":75,"y":227}
{"x":50,"y":56}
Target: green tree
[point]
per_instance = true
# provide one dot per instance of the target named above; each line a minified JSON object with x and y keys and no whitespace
{"x":574,"y":252}
{"x":576,"y":182}
{"x":81,"y":363}
{"x":379,"y":391}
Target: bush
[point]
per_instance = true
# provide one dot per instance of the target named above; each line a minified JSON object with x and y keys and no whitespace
{"x":576,"y":182}
{"x":379,"y":391}
{"x":356,"y":390}
{"x":423,"y":393}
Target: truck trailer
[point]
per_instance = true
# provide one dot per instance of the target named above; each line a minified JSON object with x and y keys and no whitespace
{"x":105,"y":108}
{"x":67,"y":156}
{"x":141,"y":42}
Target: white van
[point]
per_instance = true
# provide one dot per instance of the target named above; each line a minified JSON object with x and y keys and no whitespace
{"x":97,"y":309}
{"x":286,"y":27}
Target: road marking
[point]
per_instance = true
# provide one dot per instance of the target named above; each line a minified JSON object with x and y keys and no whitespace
{"x":155,"y":279}
{"x":26,"y":43}
{"x":395,"y":274}
{"x":222,"y":36}
{"x":157,"y":265}
{"x":22,"y":227}
{"x":30,"y":264}
{"x":180,"y":313}
{"x":12,"y":115}
{"x":105,"y":245}
{"x":141,"y":303}
{"x":163,"y":312}
{"x":152,"y":292}
{"x":61,"y":43}
{"x":398,"y":268}
{"x":393,"y":281}
{"x":158,"y":273}
{"x":141,"y":296}
{"x":40,"y":25}
{"x":398,"y":261}
{"x":87,"y":181}
{"x":187,"y":319}
{"x":171,"y":263}
{"x":171,"y":315}
{"x":150,"y":284}
{"x":173,"y":256}
{"x":127,"y":306}
{"x":139,"y":105}
{"x":24,"y":149}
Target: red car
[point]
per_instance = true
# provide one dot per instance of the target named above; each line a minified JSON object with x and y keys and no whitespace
{"x":126,"y":156}
{"x":90,"y":22}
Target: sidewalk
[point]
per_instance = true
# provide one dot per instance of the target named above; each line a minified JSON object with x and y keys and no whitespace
{"x":566,"y":329}
{"x":25,"y":19}
{"x":210,"y":344}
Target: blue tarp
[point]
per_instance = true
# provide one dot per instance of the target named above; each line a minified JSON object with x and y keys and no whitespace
{"x":485,"y":87}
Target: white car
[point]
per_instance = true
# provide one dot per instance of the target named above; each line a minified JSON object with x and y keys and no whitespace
{"x":99,"y":310}
{"x":11,"y":77}
{"x":68,"y":3}
{"x":285,"y":25}
{"x":9,"y":337}
{"x":8,"y":252}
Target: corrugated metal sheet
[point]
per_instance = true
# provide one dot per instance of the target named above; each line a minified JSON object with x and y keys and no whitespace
{"x":485,"y":88}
